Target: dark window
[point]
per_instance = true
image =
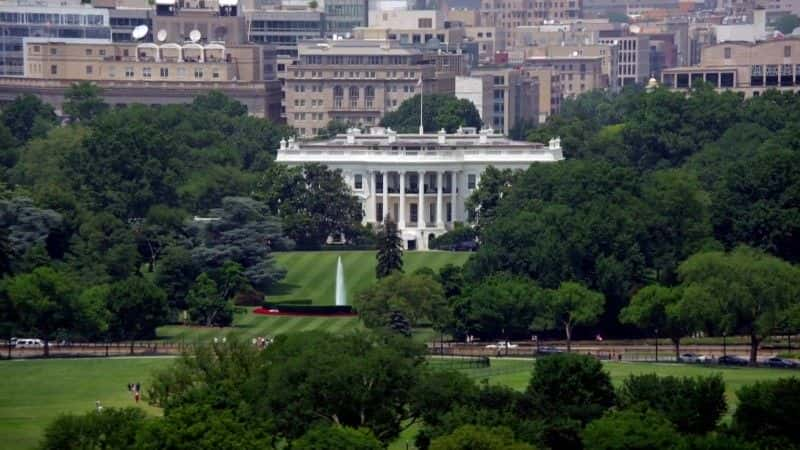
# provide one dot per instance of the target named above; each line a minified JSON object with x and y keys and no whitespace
{"x":359,"y":181}
{"x":727,"y":52}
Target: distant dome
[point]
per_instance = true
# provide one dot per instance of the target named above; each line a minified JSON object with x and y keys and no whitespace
{"x":652,"y":84}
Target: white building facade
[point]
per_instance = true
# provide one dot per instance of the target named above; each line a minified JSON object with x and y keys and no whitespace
{"x":419,"y":181}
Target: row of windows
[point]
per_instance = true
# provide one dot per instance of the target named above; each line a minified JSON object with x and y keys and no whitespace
{"x":360,"y":60}
{"x":51,"y":18}
{"x":286,"y":25}
{"x":147,"y":72}
{"x":47,"y":31}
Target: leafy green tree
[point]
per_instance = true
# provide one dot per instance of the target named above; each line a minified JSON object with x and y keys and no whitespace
{"x":157,"y":231}
{"x":333,"y":128}
{"x":499,"y":306}
{"x":631,"y":430}
{"x":570,"y":305}
{"x":200,"y":427}
{"x":452,"y":279}
{"x":399,"y":324}
{"x":175,"y":275}
{"x":27,"y":116}
{"x":27,"y":225}
{"x":572,"y":386}
{"x":483,"y":201}
{"x":97,"y":430}
{"x":205,"y":304}
{"x":335,"y":437}
{"x":439,"y":111}
{"x":460,"y":233}
{"x":765,"y":414}
{"x":355,"y":380}
{"x":313,"y":202}
{"x":787,"y":23}
{"x":137,"y":307}
{"x":242,"y":231}
{"x":104,"y":249}
{"x":6,"y":252}
{"x":231,"y":280}
{"x":693,"y":405}
{"x":745,"y":291}
{"x":216,"y":101}
{"x":45,"y":302}
{"x":419,"y":298}
{"x":471,"y":437}
{"x":390,"y":249}
{"x":84,"y":101}
{"x":439,"y":391}
{"x":662,"y":310}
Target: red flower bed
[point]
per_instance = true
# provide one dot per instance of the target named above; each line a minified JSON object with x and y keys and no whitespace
{"x":277,"y":312}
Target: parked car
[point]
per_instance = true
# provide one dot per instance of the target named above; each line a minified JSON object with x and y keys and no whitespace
{"x":502,"y":344}
{"x":29,"y":343}
{"x":732,"y":360}
{"x":465,"y":246}
{"x":694,"y":358}
{"x":780,"y":362}
{"x":549,"y":351}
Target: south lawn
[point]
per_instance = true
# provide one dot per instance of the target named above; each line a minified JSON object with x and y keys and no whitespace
{"x":33,"y":393}
{"x":311,"y":275}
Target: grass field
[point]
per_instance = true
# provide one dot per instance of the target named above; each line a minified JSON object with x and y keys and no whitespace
{"x":34,"y":392}
{"x":311,"y":275}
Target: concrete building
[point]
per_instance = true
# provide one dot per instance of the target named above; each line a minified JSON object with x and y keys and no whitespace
{"x":285,"y":28}
{"x":743,"y":67}
{"x":577,"y":74}
{"x":633,"y":56}
{"x":755,"y":30}
{"x":602,"y":8}
{"x":355,"y":81}
{"x":548,"y":80}
{"x":490,"y":40}
{"x":419,"y":28}
{"x":48,"y":21}
{"x":509,"y":14}
{"x":478,"y":90}
{"x":514,"y":97}
{"x":578,"y":60}
{"x":419,"y":181}
{"x":779,"y":7}
{"x":341,"y":16}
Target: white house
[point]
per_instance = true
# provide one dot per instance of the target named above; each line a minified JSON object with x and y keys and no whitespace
{"x":420,"y":181}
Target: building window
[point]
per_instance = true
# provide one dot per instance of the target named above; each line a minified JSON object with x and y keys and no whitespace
{"x":425,"y":23}
{"x":164,"y":72}
{"x":53,"y":69}
{"x":53,"y":51}
{"x":338,"y":93}
{"x":102,"y":52}
{"x":727,"y":52}
{"x":449,"y":212}
{"x":499,"y":80}
{"x":198,"y":73}
{"x":215,"y":73}
{"x":89,"y":70}
{"x":147,"y":72}
{"x":471,"y":181}
{"x":414,"y":211}
{"x":358,"y":183}
{"x":88,"y":52}
{"x":36,"y":49}
{"x":787,"y":51}
{"x":379,"y":212}
{"x":129,"y":72}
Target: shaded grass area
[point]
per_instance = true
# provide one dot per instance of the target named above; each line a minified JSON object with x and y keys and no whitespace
{"x":311,"y":275}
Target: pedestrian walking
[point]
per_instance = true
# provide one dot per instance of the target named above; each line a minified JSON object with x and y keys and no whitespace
{"x":98,"y":406}
{"x":136,"y":396}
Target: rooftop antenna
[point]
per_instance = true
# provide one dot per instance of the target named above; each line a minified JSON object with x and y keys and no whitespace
{"x":162,"y":35}
{"x":195,"y":36}
{"x":139,"y":32}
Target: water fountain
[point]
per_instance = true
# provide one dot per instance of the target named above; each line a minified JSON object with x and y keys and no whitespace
{"x":341,"y":294}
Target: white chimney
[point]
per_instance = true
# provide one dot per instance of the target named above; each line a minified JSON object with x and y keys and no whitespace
{"x":351,"y":136}
{"x":442,"y":137}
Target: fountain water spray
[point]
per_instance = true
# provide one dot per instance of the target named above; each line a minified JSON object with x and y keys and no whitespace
{"x":341,"y":294}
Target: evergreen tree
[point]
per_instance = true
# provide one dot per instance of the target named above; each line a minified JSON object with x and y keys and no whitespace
{"x":6,"y":252}
{"x":399,"y":324}
{"x":390,"y":249}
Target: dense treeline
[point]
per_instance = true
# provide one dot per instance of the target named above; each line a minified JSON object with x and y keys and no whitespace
{"x":360,"y":391}
{"x":650,"y":179}
{"x":117,"y":220}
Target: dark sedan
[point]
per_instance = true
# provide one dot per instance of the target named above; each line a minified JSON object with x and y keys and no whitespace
{"x":731,"y":360}
{"x":781,"y":362}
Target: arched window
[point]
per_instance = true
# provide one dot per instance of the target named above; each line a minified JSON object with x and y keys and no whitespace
{"x":353,"y":95}
{"x":338,"y":93}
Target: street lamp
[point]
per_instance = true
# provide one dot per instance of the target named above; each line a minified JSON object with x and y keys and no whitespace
{"x":724,"y":344}
{"x":656,"y":344}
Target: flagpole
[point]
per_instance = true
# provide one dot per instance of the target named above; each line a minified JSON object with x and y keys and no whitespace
{"x":421,"y":98}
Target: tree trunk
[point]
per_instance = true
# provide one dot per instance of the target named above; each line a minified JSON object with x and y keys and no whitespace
{"x":132,"y":346}
{"x":46,"y":347}
{"x":568,"y":329}
{"x":677,"y":343}
{"x":754,"y":341}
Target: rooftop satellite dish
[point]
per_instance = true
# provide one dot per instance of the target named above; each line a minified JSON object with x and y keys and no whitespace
{"x":194,"y":35}
{"x":162,"y":35}
{"x":139,"y":32}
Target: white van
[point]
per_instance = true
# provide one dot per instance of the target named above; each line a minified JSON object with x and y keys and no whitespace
{"x":29,"y":343}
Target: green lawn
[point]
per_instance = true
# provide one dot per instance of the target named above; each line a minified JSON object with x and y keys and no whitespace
{"x":312,"y":275}
{"x":34,"y":392}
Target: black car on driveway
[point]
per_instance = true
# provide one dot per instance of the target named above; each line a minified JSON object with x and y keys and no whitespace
{"x":781,"y":363}
{"x":731,"y":360}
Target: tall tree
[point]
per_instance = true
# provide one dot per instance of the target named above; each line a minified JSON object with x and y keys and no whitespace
{"x":745,"y":291}
{"x":439,"y":111}
{"x":175,"y":275}
{"x":84,"y":101}
{"x":570,"y":305}
{"x":104,"y":249}
{"x":206,"y":305}
{"x":6,"y":252}
{"x":313,"y":202}
{"x":27,"y":116}
{"x":390,"y":249}
{"x":419,"y":298}
{"x":483,"y":201}
{"x":137,"y":307}
{"x":662,"y":310}
{"x":162,"y":227}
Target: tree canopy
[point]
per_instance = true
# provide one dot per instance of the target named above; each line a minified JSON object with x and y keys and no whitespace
{"x":439,"y":111}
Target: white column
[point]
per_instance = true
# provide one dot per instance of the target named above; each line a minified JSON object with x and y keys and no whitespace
{"x":439,"y":218}
{"x":385,"y":211}
{"x":373,"y":196}
{"x":454,"y":196}
{"x":421,"y":201}
{"x":401,"y":221}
